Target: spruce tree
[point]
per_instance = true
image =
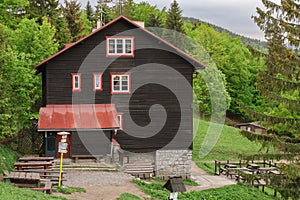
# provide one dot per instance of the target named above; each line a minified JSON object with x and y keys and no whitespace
{"x":279,"y":84}
{"x":72,"y":13}
{"x":174,"y":18}
{"x":90,"y":12}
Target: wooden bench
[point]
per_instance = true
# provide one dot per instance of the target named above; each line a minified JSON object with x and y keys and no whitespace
{"x":32,"y":165}
{"x":36,"y":159}
{"x":47,"y":188}
{"x":77,"y":157}
{"x":140,"y":170}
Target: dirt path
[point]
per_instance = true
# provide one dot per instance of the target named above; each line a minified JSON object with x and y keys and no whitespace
{"x":207,"y":181}
{"x":100,"y":185}
{"x":110,"y":185}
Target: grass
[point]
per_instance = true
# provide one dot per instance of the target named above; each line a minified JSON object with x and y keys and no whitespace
{"x":128,"y":196}
{"x":10,"y":192}
{"x":229,"y":145}
{"x":232,"y":192}
{"x":185,"y":181}
{"x":71,"y":190}
{"x":7,"y":159}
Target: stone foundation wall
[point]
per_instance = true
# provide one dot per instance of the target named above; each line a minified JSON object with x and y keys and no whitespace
{"x":170,"y":163}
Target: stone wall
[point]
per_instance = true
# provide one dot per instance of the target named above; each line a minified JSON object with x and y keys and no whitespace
{"x":171,"y":163}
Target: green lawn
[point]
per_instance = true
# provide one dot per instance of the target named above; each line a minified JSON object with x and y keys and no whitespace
{"x":7,"y":159}
{"x":13,"y":193}
{"x":229,"y":145}
{"x":233,"y":192}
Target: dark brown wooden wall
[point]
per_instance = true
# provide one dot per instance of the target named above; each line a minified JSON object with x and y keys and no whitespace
{"x":89,"y":57}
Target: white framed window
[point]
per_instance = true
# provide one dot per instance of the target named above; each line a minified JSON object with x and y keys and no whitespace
{"x":120,"y":120}
{"x":97,"y":82}
{"x":120,"y":83}
{"x":117,"y":46}
{"x":76,"y":82}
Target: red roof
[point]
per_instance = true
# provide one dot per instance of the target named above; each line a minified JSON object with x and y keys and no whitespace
{"x":78,"y":116}
{"x":189,"y":58}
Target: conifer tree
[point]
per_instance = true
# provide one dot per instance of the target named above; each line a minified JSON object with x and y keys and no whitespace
{"x":279,"y":84}
{"x":43,"y":8}
{"x":280,"y":81}
{"x":90,"y":12}
{"x":174,"y":18}
{"x":72,"y":13}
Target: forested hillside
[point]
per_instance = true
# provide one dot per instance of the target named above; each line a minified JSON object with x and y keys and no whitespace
{"x":33,"y":30}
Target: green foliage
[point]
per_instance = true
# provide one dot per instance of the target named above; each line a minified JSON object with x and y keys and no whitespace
{"x":128,"y":196}
{"x":151,"y":15}
{"x":233,"y":192}
{"x":7,"y":159}
{"x":174,"y":18}
{"x":71,"y":190}
{"x":10,"y":192}
{"x":234,"y":60}
{"x":190,"y":182}
{"x":76,"y":22}
{"x":27,"y":45}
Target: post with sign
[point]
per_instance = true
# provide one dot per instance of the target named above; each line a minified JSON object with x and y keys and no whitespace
{"x":62,"y":148}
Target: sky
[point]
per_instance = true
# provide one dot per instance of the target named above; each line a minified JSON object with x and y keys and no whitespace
{"x":234,"y":15}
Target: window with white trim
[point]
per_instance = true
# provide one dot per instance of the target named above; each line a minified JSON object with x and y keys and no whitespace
{"x":76,"y":82}
{"x":120,"y":83}
{"x":120,"y":46}
{"x":97,"y":81}
{"x":120,"y":120}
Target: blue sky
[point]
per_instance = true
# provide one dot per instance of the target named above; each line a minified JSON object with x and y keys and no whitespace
{"x":234,"y":15}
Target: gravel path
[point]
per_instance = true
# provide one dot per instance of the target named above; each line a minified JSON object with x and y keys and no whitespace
{"x":110,"y":185}
{"x":100,"y":185}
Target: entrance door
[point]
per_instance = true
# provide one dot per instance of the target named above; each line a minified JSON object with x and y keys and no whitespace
{"x":69,"y":139}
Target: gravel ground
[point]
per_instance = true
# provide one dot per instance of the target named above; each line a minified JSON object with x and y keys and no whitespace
{"x":100,"y":185}
{"x":80,"y":178}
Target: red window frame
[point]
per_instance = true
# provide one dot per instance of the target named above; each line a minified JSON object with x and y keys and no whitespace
{"x":120,"y":54}
{"x":94,"y":81}
{"x":73,"y":82}
{"x":120,"y":74}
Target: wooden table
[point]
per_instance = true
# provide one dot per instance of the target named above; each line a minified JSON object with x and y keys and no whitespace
{"x":253,"y":166}
{"x":230,"y":166}
{"x":24,"y":179}
{"x":24,"y":165}
{"x":36,"y":159}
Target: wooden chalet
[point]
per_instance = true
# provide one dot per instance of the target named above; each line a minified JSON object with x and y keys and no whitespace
{"x":252,"y":126}
{"x":91,"y":89}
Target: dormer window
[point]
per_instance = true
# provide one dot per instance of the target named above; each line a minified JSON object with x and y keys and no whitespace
{"x":120,"y":46}
{"x":76,"y":82}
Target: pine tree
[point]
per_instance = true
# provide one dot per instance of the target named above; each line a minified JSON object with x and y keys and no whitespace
{"x":72,"y":13}
{"x":103,"y":11}
{"x":279,"y":84}
{"x":174,"y":18}
{"x":280,"y":81}
{"x":90,"y":12}
{"x":43,"y":8}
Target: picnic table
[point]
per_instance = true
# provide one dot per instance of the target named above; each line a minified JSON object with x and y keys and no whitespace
{"x":230,"y":166}
{"x":36,"y":159}
{"x":24,"y":165}
{"x":24,"y":179}
{"x":253,"y":166}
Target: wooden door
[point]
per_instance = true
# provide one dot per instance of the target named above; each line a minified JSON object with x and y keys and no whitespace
{"x":69,"y":139}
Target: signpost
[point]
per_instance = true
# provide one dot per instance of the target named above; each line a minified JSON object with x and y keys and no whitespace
{"x":62,"y":148}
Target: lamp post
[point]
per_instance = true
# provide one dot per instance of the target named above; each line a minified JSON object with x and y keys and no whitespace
{"x":62,"y":148}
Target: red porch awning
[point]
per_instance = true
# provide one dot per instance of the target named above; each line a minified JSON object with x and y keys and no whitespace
{"x":78,"y":116}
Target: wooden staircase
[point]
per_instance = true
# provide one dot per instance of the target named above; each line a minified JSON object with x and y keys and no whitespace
{"x":140,"y":169}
